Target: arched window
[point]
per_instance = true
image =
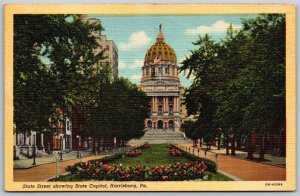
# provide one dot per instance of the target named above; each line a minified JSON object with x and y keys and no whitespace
{"x":171,"y":124}
{"x":160,"y":124}
{"x":147,"y":71}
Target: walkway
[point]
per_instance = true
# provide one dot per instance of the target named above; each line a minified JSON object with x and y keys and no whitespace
{"x":243,"y":169}
{"x":46,"y":170}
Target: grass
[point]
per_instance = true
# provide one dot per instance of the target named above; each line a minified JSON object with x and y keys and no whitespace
{"x":157,"y":154}
{"x":217,"y":177}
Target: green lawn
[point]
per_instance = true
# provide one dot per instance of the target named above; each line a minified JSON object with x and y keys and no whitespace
{"x":157,"y":154}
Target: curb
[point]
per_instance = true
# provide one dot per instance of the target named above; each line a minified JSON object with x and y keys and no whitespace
{"x":230,"y":175}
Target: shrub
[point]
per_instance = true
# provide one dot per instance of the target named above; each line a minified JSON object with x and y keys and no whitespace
{"x":134,"y":153}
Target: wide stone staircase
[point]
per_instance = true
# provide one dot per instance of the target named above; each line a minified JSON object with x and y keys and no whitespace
{"x":159,"y":136}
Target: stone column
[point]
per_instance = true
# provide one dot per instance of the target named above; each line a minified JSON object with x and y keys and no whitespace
{"x":175,"y":104}
{"x":16,"y":148}
{"x":155,"y":104}
{"x":167,"y":104}
{"x":30,"y":145}
{"x":42,"y":142}
{"x":153,"y":100}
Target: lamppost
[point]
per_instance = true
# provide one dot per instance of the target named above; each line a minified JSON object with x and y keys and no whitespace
{"x":34,"y":143}
{"x":217,"y":159}
{"x":61,"y":146}
{"x":78,"y":144}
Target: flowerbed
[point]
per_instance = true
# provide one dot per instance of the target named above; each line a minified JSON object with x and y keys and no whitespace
{"x":172,"y":168}
{"x":101,"y":171}
{"x":133,"y":153}
{"x":211,"y":165}
{"x":174,"y":151}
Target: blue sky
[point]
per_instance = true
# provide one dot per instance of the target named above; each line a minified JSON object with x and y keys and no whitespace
{"x":134,"y":34}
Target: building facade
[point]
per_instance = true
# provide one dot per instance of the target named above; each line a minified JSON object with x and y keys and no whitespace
{"x":109,"y":49}
{"x":80,"y":140}
{"x":160,"y":81}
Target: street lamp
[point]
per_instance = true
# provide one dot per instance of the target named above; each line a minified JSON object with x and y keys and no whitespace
{"x":217,"y":159}
{"x":78,"y":137}
{"x":61,"y":146}
{"x":34,"y":143}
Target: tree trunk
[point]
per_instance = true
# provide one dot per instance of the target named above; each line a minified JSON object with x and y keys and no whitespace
{"x":238,"y":144}
{"x":233,"y":145}
{"x":261,"y":148}
{"x":219,"y":142}
{"x":227,"y":145}
{"x":250,"y":147}
{"x":283,"y":143}
{"x":200,"y":142}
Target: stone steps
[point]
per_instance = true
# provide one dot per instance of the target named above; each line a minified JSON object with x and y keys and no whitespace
{"x":159,"y":136}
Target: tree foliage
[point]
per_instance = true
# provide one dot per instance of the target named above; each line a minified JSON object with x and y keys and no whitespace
{"x":54,"y":65}
{"x":121,"y":113}
{"x":239,"y":81}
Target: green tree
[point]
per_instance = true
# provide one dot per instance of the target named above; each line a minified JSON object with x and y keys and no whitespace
{"x":121,"y":113}
{"x":54,"y":64}
{"x":239,"y":82}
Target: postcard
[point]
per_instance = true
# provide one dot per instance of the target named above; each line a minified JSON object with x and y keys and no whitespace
{"x":150,"y":97}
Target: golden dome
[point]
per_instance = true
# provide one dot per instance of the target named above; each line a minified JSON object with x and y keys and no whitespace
{"x":160,"y":50}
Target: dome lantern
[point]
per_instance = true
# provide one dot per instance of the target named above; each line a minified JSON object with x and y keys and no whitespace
{"x":160,"y":37}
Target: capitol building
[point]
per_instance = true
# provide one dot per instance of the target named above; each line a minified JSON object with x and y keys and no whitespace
{"x":161,"y":82}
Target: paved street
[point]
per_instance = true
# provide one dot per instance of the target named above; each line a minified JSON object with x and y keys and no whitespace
{"x":244,"y":169}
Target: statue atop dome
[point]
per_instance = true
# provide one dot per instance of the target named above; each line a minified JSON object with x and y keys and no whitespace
{"x":160,"y":37}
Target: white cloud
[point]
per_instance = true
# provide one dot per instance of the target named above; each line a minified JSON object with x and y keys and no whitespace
{"x":219,"y":27}
{"x":137,"y":63}
{"x":121,"y":64}
{"x":136,"y":40}
{"x":136,"y":77}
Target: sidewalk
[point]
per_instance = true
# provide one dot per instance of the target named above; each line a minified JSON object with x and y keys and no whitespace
{"x":243,"y":169}
{"x":46,"y":167}
{"x":269,"y":159}
{"x":27,"y":163}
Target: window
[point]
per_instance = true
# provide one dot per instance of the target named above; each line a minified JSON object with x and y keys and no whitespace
{"x":160,"y":109}
{"x":152,"y":71}
{"x":170,"y":109}
{"x":167,"y":70}
{"x":147,"y":71}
